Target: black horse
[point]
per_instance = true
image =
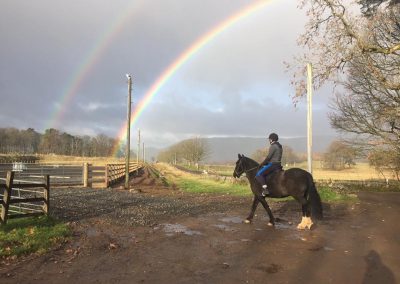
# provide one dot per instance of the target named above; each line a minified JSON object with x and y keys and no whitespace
{"x":294,"y":182}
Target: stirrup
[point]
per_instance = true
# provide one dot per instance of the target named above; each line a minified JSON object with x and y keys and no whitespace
{"x":265,"y":191}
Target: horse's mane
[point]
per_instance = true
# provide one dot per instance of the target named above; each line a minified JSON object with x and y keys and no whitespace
{"x":251,"y":161}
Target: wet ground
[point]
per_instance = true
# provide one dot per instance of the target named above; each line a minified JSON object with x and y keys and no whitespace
{"x":199,"y":239}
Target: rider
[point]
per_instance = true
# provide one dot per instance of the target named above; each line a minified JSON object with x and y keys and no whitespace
{"x":271,"y":162}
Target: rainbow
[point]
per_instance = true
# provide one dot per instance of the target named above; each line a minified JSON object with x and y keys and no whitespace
{"x":85,"y":68}
{"x":180,"y":60}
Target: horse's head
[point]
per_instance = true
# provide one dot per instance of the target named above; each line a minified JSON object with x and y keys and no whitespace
{"x":239,"y":168}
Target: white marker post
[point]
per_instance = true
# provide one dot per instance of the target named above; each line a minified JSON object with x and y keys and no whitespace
{"x":128,"y":132}
{"x":309,"y":117}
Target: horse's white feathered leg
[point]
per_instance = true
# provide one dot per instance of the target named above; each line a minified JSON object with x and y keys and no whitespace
{"x":309,"y":223}
{"x":302,"y":224}
{"x":306,"y":222}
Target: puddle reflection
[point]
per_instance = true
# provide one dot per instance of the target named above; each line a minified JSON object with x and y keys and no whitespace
{"x":236,"y":220}
{"x":171,"y":229}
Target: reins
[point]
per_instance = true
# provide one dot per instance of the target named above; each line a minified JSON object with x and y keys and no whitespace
{"x":244,"y":170}
{"x":251,"y":169}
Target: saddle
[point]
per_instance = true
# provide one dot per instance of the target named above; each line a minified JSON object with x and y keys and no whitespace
{"x":275,"y":169}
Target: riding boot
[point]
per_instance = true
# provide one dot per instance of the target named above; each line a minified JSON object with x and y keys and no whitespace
{"x":265,"y":191}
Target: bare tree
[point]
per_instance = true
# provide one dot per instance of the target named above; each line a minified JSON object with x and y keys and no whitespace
{"x":383,"y":161}
{"x":369,"y":7}
{"x":338,"y":155}
{"x":192,"y":150}
{"x":336,"y":34}
{"x":358,"y":49}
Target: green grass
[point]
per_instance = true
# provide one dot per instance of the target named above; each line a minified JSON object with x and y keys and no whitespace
{"x":31,"y":235}
{"x":328,"y":195}
{"x":210,"y":186}
{"x":201,"y":185}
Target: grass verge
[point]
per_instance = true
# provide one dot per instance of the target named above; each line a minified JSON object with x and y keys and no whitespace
{"x":31,"y":235}
{"x":329,"y":195}
{"x":197,"y":184}
{"x":194,"y":185}
{"x":209,"y":186}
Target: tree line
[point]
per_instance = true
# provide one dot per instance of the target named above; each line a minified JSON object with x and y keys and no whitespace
{"x":53,"y":141}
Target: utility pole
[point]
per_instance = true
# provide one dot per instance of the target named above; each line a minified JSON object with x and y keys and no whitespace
{"x":309,"y":117}
{"x":138,"y":148}
{"x":144,"y":153}
{"x":128,"y":132}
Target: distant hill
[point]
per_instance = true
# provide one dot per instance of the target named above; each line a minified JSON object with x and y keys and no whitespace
{"x":225,"y":149}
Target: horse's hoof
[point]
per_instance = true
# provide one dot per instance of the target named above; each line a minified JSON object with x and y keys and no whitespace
{"x":301,"y":226}
{"x":247,"y":221}
{"x":270,"y":224}
{"x":306,"y":223}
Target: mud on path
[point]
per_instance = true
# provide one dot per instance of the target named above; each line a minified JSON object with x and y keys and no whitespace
{"x":165,"y":236}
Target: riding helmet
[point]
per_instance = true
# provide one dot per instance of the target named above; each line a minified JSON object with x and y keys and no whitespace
{"x":273,"y":137}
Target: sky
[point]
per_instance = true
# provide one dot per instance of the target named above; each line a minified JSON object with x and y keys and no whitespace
{"x":63,"y":65}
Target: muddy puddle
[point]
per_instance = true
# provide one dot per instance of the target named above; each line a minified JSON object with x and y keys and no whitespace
{"x":172,"y":229}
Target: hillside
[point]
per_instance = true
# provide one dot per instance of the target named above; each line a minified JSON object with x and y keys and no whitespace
{"x":225,"y":149}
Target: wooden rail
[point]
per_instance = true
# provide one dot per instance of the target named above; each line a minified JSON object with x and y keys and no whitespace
{"x":83,"y":174}
{"x":28,"y":205}
{"x":116,"y":172}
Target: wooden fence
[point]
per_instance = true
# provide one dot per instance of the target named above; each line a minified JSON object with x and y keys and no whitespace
{"x":74,"y":174}
{"x":20,"y":198}
{"x":116,"y":172}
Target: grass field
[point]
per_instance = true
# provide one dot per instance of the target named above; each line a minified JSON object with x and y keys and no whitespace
{"x":202,"y":184}
{"x":360,"y":171}
{"x":31,"y":235}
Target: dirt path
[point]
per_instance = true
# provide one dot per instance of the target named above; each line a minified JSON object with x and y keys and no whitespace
{"x":355,"y":243}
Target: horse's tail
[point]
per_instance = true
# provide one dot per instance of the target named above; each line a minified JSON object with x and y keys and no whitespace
{"x":315,"y":199}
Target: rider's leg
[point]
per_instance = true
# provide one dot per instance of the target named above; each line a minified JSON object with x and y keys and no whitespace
{"x":261,"y":178}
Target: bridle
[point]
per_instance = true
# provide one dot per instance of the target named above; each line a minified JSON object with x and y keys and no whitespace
{"x":244,"y":170}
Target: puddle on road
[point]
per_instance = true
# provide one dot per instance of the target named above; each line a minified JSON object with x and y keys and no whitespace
{"x":283,"y":226}
{"x":328,"y":248}
{"x":223,"y":227}
{"x":236,"y":220}
{"x":355,"y":226}
{"x":171,"y":229}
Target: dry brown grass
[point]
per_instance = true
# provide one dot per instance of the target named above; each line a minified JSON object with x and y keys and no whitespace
{"x":98,"y":161}
{"x":361,"y":171}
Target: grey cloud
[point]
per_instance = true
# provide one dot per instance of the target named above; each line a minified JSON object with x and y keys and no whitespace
{"x":235,"y":85}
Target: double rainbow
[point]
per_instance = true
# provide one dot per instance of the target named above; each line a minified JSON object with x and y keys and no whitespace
{"x":180,"y":60}
{"x":86,"y":66}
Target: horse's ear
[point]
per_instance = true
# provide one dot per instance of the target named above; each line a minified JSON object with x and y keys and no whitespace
{"x":242,"y":156}
{"x":239,"y":156}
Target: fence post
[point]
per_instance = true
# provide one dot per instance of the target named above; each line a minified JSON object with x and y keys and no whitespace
{"x":7,"y":196}
{"x":85,"y":174}
{"x":46,"y":206}
{"x":106,"y":182}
